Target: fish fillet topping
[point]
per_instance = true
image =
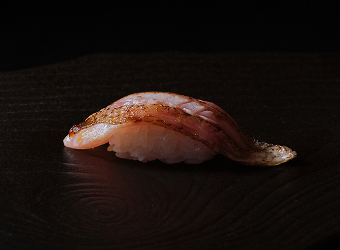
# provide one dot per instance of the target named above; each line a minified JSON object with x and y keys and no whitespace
{"x":202,"y":121}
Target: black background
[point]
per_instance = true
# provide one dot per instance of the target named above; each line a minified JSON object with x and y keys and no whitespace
{"x":34,"y":35}
{"x":274,"y":68}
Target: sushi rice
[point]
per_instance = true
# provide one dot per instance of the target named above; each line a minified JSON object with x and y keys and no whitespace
{"x":147,"y":142}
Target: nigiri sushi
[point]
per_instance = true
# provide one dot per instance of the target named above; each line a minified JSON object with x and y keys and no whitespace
{"x":172,"y":128}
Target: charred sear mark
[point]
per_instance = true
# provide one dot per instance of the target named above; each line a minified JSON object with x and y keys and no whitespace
{"x":125,"y":114}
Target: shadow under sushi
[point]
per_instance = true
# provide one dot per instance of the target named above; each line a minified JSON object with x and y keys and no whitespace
{"x":99,"y":156}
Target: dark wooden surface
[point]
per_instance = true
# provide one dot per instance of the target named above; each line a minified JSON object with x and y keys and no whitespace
{"x":52,"y":197}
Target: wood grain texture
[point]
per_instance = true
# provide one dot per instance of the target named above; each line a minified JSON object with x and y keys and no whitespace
{"x":53,"y":197}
